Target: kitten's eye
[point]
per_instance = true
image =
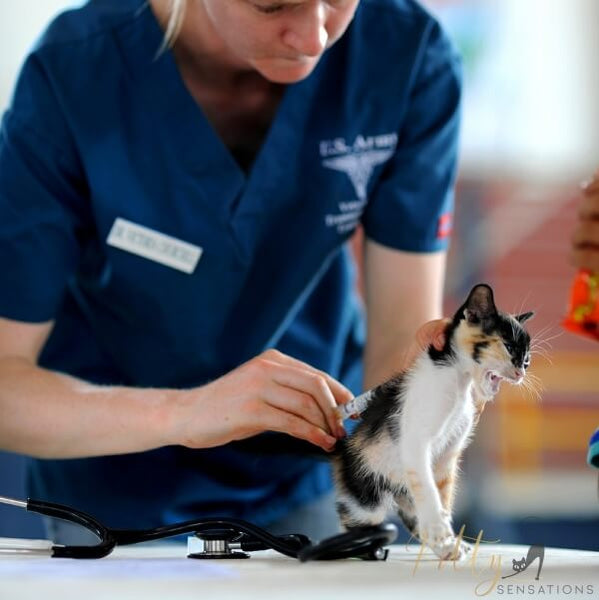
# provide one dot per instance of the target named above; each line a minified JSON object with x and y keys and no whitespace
{"x":526,"y":362}
{"x":509,"y":347}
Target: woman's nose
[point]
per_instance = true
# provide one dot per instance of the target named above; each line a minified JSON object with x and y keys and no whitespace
{"x":307,"y":34}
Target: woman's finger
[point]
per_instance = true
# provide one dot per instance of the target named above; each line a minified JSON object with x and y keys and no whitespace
{"x":296,"y":402}
{"x":340,"y":392}
{"x":317,"y":386}
{"x":432,"y":332}
{"x":285,"y":422}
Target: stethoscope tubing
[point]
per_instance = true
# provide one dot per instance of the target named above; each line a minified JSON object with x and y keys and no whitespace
{"x":103,"y":548}
{"x":365,"y":542}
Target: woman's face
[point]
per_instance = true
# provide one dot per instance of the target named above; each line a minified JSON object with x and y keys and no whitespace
{"x":281,"y":39}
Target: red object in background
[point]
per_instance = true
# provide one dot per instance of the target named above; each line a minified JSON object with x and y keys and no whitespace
{"x":583,"y":308}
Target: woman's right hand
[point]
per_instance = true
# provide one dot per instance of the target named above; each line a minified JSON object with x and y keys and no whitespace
{"x":270,"y":392}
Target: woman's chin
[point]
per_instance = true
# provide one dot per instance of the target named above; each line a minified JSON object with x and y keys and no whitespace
{"x":285,"y":70}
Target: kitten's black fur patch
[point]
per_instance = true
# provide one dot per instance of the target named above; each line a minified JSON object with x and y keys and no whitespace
{"x":410,"y":522}
{"x":386,"y":400}
{"x":478,"y":347}
{"x":366,"y":487}
{"x":342,"y":509}
{"x":447,"y":354}
{"x":516,"y":337}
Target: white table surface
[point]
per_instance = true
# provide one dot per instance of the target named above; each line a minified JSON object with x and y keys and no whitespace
{"x":163,"y":571}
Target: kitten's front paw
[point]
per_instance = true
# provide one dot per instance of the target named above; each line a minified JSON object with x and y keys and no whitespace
{"x":436,"y":533}
{"x":454,"y":549}
{"x":439,"y":537}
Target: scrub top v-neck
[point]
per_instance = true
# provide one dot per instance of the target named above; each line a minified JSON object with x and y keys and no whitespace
{"x":180,"y":118}
{"x":126,"y":220}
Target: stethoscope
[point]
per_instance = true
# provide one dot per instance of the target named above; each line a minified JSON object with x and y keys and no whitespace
{"x":222,"y":537}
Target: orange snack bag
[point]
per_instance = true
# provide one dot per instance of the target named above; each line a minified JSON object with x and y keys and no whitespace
{"x":583,"y":308}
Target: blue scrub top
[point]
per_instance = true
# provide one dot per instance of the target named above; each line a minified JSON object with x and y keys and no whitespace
{"x":125,"y":218}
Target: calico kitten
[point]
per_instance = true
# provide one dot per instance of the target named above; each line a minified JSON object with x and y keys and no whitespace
{"x":405,"y":450}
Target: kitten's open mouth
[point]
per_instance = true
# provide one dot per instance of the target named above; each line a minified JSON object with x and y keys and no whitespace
{"x":493,"y":381}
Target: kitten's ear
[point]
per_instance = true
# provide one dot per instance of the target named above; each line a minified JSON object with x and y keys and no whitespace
{"x":480,"y":304}
{"x":524,"y":316}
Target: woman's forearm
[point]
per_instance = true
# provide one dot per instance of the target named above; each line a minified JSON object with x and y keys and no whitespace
{"x":51,"y":415}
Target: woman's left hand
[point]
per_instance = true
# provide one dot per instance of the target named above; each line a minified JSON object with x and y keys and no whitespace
{"x":431,"y":333}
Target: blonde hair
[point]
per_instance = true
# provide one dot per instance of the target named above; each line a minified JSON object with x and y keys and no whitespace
{"x":174,"y":24}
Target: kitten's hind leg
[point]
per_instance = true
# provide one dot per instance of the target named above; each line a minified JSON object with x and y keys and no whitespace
{"x":353,"y":514}
{"x":363,"y":497}
{"x":406,"y":511}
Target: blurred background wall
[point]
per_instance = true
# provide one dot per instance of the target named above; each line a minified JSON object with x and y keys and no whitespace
{"x":530,"y":136}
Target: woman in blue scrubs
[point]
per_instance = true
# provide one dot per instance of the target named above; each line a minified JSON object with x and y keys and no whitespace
{"x":174,"y":221}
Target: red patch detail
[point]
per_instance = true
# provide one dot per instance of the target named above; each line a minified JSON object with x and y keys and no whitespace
{"x":444,"y":226}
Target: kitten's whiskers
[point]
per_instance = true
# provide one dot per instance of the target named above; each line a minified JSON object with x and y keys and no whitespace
{"x":540,"y":351}
{"x":541,"y":343}
{"x":533,"y":386}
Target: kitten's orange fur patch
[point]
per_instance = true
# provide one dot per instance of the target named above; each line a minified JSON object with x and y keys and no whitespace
{"x":414,"y":484}
{"x":441,"y":484}
{"x":446,"y":491}
{"x":470,"y":335}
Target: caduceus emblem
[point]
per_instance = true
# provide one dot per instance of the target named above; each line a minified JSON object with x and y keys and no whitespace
{"x":359,"y":167}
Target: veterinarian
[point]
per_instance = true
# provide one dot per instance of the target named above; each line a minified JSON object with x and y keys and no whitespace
{"x":173,"y":224}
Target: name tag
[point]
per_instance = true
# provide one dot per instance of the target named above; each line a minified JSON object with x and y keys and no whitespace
{"x":150,"y":244}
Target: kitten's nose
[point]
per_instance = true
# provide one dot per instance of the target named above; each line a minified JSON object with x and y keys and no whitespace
{"x":519,"y":373}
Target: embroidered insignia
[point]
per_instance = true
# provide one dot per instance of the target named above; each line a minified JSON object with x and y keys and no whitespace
{"x":359,"y":167}
{"x":358,"y":161}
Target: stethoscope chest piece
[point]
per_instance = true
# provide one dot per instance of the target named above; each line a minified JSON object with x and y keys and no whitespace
{"x":216,"y":543}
